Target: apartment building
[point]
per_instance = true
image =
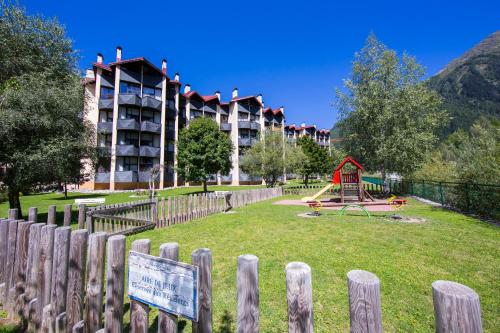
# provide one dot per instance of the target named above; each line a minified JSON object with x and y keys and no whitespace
{"x":320,"y":136}
{"x":138,"y":111}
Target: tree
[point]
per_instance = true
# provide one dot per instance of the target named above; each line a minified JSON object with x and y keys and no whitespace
{"x":203,"y":150}
{"x":317,"y":160}
{"x":389,"y":118}
{"x":44,"y":136}
{"x":270,"y":158}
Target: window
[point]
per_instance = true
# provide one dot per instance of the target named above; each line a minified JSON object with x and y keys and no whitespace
{"x":105,"y":116}
{"x":107,"y":92}
{"x":170,"y":124}
{"x":170,"y":144}
{"x":242,"y":116}
{"x":104,"y":140}
{"x":254,"y":117}
{"x":210,"y":115}
{"x":130,"y":164}
{"x":150,"y":91}
{"x":130,"y":88}
{"x":149,"y":115}
{"x":243,"y":134}
{"x":146,"y":163}
{"x":224,"y":119}
{"x":171,"y":104}
{"x":196,"y":114}
{"x":132,"y":138}
{"x":132,"y":113}
{"x":267,"y":124}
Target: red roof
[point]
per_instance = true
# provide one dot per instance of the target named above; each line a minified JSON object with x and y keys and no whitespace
{"x":268,"y":110}
{"x":336,"y":172}
{"x":246,"y":97}
{"x":275,"y":112}
{"x":101,"y":65}
{"x":204,"y":98}
{"x":139,"y":59}
{"x":210,"y":98}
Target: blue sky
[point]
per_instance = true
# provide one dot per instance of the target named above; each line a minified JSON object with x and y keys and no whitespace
{"x":293,"y":52}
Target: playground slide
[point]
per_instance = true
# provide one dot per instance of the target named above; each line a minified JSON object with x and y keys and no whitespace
{"x":314,"y":197}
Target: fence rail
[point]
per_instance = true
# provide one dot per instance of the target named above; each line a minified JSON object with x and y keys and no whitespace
{"x":54,"y":282}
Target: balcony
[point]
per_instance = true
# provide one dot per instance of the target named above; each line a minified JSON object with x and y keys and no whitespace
{"x":247,"y":142}
{"x":128,"y":124}
{"x":126,"y":150}
{"x":125,"y":176}
{"x":106,"y":104}
{"x":226,"y":179}
{"x":144,"y":176}
{"x":129,"y":99}
{"x":225,"y":127}
{"x":102,"y":177}
{"x":151,"y":102}
{"x":104,"y":151}
{"x":149,"y":126}
{"x":247,"y":178}
{"x":255,"y":125}
{"x":105,"y":127}
{"x":148,"y":151}
{"x":245,"y":124}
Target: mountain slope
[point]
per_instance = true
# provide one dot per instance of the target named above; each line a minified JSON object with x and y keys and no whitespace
{"x":470,"y":84}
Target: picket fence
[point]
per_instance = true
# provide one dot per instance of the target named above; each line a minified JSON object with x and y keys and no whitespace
{"x":54,"y":282}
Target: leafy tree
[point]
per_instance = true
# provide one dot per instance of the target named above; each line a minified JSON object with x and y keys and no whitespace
{"x":389,"y":118}
{"x":270,"y":158}
{"x":203,"y":151}
{"x":317,"y":160}
{"x":43,"y":133}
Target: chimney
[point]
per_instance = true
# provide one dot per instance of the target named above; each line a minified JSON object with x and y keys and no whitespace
{"x":218,"y":94}
{"x":235,"y":93}
{"x":177,"y":77}
{"x":259,"y":98}
{"x":90,"y":73}
{"x":164,"y":66}
{"x":303,"y":125}
{"x":282,"y":109}
{"x":118,"y":53}
{"x":100,"y":58}
{"x":187,"y":88}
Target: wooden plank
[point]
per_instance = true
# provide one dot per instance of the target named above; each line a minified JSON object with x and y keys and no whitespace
{"x":61,"y":323}
{"x":47,"y":323}
{"x":76,"y":277}
{"x":32,"y":266}
{"x":33,"y":214}
{"x":4,"y":242}
{"x":167,"y":323}
{"x":364,"y":301}
{"x":456,"y":308}
{"x":82,"y":209}
{"x":13,"y":214}
{"x":95,"y":282}
{"x":79,"y":327}
{"x":203,"y":259}
{"x":115,"y":284}
{"x":67,"y":215}
{"x":299,"y":298}
{"x":139,"y":312}
{"x":62,"y":239}
{"x":163,"y":214}
{"x":248,"y":294}
{"x":169,"y":212}
{"x":44,"y":271}
{"x":51,"y":214}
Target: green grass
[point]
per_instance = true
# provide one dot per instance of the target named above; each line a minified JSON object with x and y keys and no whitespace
{"x":406,"y":257}
{"x":42,"y":201}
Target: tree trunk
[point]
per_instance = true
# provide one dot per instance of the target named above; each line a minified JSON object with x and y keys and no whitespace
{"x":384,"y":181}
{"x":306,"y":180}
{"x":14,"y":201}
{"x":65,"y":190}
{"x":205,"y":186}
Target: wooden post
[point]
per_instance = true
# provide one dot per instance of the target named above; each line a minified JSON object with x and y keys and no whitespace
{"x":364,"y":301}
{"x":62,"y":238}
{"x":167,"y":323}
{"x":19,"y":273}
{"x":163,"y":213}
{"x":82,"y":209}
{"x":248,"y":294}
{"x":169,"y":212}
{"x":4,"y":241}
{"x":44,"y":271}
{"x":13,"y":214}
{"x":61,"y":323}
{"x":95,"y":282}
{"x":79,"y":327}
{"x":51,"y":214}
{"x":67,"y":215}
{"x":33,"y":214}
{"x":32,"y":266}
{"x":139,"y":312}
{"x":174,"y":211}
{"x":299,"y":298}
{"x":113,"y":314}
{"x":203,"y":259}
{"x":456,"y":308}
{"x":76,"y":277}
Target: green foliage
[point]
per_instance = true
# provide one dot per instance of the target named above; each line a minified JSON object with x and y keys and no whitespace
{"x":270,"y":157}
{"x":389,"y":119}
{"x":43,"y":133}
{"x":203,"y":150}
{"x":317,"y":160}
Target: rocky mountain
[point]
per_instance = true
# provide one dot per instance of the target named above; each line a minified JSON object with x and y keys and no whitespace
{"x":470,"y":84}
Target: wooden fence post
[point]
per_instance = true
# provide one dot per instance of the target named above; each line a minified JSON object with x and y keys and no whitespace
{"x":248,"y":294}
{"x":67,"y":215}
{"x":456,"y":308}
{"x":79,"y":327}
{"x":115,"y":284}
{"x":169,"y":211}
{"x":299,"y":298}
{"x":62,"y":239}
{"x":364,"y":301}
{"x":139,"y":312}
{"x":203,"y":259}
{"x":44,"y":272}
{"x":95,"y":282}
{"x":51,"y":214}
{"x":174,"y":211}
{"x":76,"y":277}
{"x":61,"y":323}
{"x":33,"y":214}
{"x":163,"y":214}
{"x":82,"y":209}
{"x":4,"y":241}
{"x":167,"y":323}
{"x":32,"y":266}
{"x":13,"y":214}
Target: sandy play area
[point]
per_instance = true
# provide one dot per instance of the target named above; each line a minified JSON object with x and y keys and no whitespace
{"x":377,"y":206}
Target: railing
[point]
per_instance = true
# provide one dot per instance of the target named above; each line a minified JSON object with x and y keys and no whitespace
{"x":350,"y":177}
{"x":53,"y":279}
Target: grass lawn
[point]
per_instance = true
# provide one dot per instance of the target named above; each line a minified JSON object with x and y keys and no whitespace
{"x":406,"y":257}
{"x":42,"y":201}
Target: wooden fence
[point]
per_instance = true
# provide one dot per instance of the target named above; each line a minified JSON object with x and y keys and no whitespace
{"x":181,"y":209}
{"x":54,"y":281}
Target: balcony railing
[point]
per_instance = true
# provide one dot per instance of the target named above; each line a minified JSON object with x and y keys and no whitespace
{"x":128,"y":124}
{"x":105,"y":127}
{"x":247,"y":178}
{"x":106,"y":104}
{"x":151,"y":102}
{"x":225,"y":127}
{"x":226,"y":179}
{"x":129,"y":99}
{"x":254,"y":125}
{"x":148,"y":151}
{"x":104,"y":150}
{"x":247,"y":141}
{"x":125,"y":176}
{"x":126,"y":150}
{"x":149,"y":126}
{"x":144,"y":176}
{"x":102,"y":177}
